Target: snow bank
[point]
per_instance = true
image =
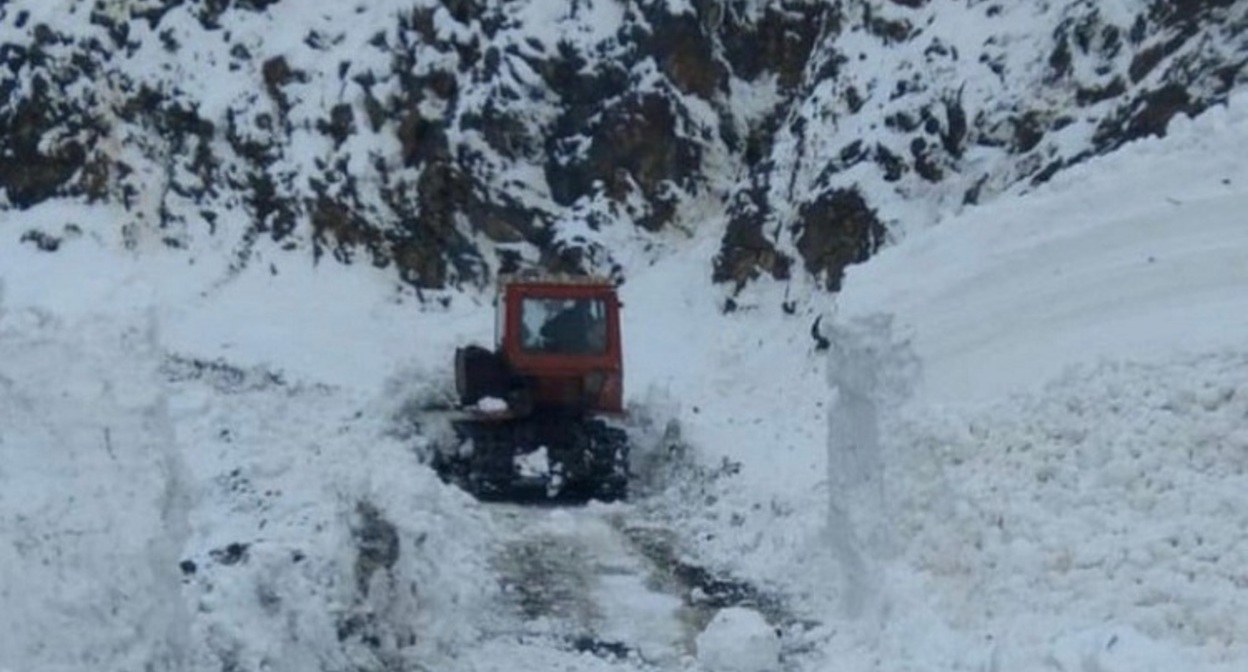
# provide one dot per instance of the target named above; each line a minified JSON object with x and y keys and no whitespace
{"x":319,"y":541}
{"x":1135,"y":255}
{"x":1109,"y":502}
{"x":199,"y":499}
{"x":178,"y":513}
{"x":738,"y":640}
{"x":93,"y":506}
{"x":871,"y":371}
{"x":1065,"y":491}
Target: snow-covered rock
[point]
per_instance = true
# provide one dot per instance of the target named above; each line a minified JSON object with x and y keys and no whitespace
{"x":450,"y":141}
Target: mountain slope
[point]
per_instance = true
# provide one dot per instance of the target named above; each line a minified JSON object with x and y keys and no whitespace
{"x":454,"y":140}
{"x":1013,"y":441}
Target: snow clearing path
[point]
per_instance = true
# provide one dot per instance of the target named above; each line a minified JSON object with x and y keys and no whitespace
{"x":602,"y":586}
{"x":572,"y":575}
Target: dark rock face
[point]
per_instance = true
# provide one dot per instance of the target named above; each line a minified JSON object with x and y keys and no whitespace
{"x":636,"y":148}
{"x":780,"y":41}
{"x":460,"y":140}
{"x":834,"y":231}
{"x":747,"y":250}
{"x":34,"y":174}
{"x":685,"y":54}
{"x":41,"y":134}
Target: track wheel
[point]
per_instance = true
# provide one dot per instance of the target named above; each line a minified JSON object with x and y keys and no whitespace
{"x":608,"y":459}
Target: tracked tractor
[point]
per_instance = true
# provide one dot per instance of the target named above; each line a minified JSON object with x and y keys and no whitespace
{"x":538,"y":414}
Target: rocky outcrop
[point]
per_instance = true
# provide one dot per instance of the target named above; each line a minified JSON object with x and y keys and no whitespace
{"x":747,"y":250}
{"x":836,"y":230}
{"x":451,"y":140}
{"x":636,"y":148}
{"x":44,"y":135}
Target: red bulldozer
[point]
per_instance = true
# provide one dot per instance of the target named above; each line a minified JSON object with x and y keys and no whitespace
{"x":534,"y":412}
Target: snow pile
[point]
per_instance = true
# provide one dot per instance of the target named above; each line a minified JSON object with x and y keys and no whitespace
{"x":492,"y":405}
{"x":1136,"y":255}
{"x":190,"y":495}
{"x":1063,"y":490}
{"x":1112,"y":498}
{"x":730,"y":424}
{"x":738,"y":640}
{"x":93,"y":499}
{"x":870,"y":372}
{"x":1066,"y":491}
{"x":319,"y":541}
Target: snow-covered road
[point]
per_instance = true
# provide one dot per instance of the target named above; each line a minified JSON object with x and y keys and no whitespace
{"x":571,"y":574}
{"x":597,"y":587}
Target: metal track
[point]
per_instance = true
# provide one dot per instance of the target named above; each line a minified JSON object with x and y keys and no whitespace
{"x":567,"y":459}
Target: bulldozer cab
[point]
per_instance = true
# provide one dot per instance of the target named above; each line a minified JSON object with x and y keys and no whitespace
{"x":563,"y":326}
{"x":563,"y":336}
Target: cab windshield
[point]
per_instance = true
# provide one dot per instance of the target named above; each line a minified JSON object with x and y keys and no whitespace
{"x":563,"y":326}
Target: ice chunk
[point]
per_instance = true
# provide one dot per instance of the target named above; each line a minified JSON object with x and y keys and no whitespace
{"x":533,"y":465}
{"x":492,"y":405}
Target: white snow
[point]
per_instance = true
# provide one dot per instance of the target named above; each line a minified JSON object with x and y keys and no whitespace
{"x":1066,"y":490}
{"x":1046,"y":470}
{"x":492,"y":405}
{"x":1152,"y":261}
{"x":533,"y":465}
{"x":738,"y":640}
{"x":1026,"y":449}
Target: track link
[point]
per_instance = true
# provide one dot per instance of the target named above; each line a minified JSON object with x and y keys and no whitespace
{"x":539,"y":458}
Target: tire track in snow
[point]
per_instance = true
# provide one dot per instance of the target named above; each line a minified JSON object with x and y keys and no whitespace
{"x":591,"y":580}
{"x":571,"y":576}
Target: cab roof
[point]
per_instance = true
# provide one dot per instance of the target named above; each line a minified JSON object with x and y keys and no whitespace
{"x":553,"y":279}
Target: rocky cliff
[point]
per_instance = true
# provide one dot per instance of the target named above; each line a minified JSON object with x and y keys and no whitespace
{"x":451,"y":140}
